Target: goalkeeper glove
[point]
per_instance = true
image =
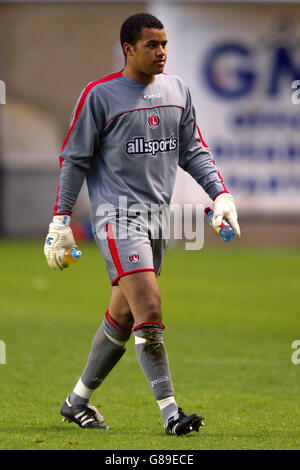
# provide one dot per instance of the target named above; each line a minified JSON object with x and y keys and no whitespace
{"x":59,"y":239}
{"x":224,"y":208}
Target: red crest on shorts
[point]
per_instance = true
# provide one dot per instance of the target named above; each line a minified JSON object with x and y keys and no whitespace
{"x":153,"y":120}
{"x":134,"y":257}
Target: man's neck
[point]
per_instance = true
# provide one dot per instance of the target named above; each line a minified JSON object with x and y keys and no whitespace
{"x":138,"y":76}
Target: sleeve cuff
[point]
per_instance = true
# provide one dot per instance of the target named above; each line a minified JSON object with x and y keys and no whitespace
{"x":218,"y":194}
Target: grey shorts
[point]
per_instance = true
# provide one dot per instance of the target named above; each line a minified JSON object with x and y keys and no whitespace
{"x":137,"y":252}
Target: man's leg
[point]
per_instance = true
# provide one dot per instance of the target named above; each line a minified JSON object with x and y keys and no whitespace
{"x":143,"y":295}
{"x":108,"y":346}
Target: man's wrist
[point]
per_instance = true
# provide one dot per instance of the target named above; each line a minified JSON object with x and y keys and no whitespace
{"x":218,"y":194}
{"x":61,"y":220}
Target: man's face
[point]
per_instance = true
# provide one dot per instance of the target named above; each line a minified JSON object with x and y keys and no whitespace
{"x":149,"y":54}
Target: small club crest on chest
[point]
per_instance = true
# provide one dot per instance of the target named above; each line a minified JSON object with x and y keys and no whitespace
{"x":153,"y":121}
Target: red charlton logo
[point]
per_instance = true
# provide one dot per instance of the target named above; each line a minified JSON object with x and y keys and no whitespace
{"x":153,"y":121}
{"x":134,"y":258}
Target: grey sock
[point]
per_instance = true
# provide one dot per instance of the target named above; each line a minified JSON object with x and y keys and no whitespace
{"x":77,"y":400}
{"x":168,"y":412}
{"x":107,"y":348}
{"x":153,"y":358}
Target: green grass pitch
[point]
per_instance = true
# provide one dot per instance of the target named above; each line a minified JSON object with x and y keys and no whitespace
{"x":231,"y":315}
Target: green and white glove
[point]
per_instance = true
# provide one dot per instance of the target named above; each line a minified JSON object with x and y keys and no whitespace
{"x":224,"y":208}
{"x":59,"y":239}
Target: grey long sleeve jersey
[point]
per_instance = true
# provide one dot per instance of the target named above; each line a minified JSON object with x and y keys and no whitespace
{"x":127,"y":138}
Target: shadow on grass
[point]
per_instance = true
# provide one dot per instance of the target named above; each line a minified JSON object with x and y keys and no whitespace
{"x":44,"y":429}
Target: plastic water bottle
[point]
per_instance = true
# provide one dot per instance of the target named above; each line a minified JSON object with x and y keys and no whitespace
{"x":71,"y":256}
{"x":227,"y":233}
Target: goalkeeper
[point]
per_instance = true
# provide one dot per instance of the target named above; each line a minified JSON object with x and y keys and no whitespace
{"x":129,"y":132}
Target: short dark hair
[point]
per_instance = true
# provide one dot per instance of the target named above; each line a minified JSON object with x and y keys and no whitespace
{"x":132,"y":27}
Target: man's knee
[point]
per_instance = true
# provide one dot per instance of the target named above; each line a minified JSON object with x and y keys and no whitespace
{"x":152,"y":309}
{"x":119,"y":308}
{"x":123,"y":316}
{"x":143,"y":296}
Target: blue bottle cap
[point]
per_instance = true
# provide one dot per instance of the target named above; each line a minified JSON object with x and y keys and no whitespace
{"x":76,"y":253}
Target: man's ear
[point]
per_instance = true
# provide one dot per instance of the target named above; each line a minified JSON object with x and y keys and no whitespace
{"x":128,"y":48}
